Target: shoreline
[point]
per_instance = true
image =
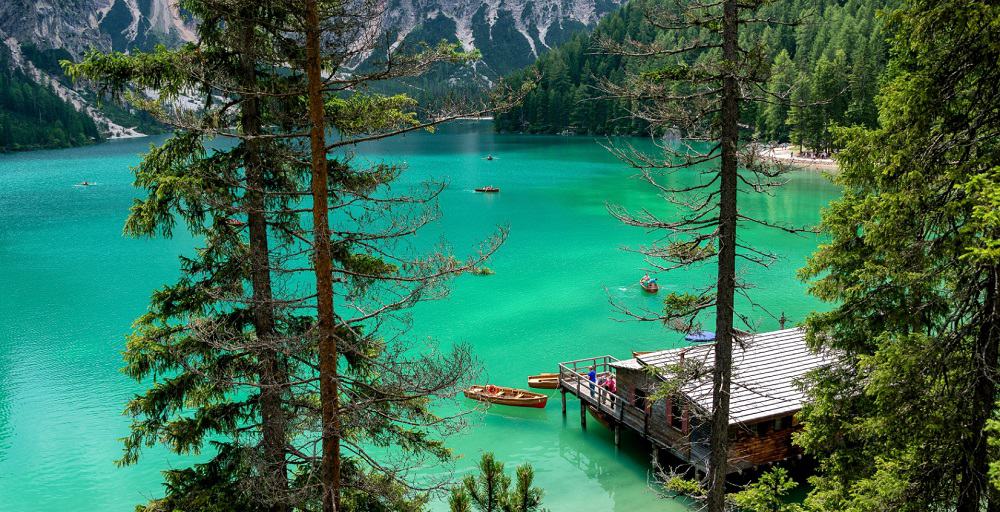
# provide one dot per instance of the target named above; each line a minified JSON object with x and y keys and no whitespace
{"x":784,"y":155}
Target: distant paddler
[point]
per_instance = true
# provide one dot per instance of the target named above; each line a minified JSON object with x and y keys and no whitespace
{"x":489,"y":157}
{"x":649,"y":284}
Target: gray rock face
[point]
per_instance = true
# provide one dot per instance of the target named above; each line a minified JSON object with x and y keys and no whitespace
{"x":504,"y":30}
{"x":78,"y":25}
{"x":508,"y":33}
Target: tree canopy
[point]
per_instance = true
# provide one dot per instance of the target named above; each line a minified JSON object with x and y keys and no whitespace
{"x":833,"y":60}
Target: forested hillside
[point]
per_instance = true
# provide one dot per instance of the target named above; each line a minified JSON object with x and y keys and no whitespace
{"x":829,"y":66}
{"x":32,"y":116}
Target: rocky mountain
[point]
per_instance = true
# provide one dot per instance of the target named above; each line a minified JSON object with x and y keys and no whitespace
{"x":77,"y":25}
{"x":509,"y":34}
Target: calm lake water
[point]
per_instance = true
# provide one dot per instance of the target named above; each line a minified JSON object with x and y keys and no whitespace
{"x":71,"y":285}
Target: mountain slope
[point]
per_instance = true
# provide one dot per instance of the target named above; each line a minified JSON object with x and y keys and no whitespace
{"x":34,"y":116}
{"x":834,"y":60}
{"x":509,"y":35}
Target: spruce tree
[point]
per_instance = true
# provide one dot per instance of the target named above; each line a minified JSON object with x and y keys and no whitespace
{"x":691,"y":93}
{"x":218,"y":343}
{"x":233,"y":350}
{"x":901,"y":421}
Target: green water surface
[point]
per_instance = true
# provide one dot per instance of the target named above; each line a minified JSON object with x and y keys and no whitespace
{"x":71,"y":286}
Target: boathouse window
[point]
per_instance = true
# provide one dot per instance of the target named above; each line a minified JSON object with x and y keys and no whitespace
{"x":762,"y":428}
{"x":676,"y":414}
{"x":640,"y":398}
{"x":782,"y":423}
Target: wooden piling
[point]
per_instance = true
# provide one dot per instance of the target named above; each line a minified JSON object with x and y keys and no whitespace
{"x":583,"y":414}
{"x":618,"y":434}
{"x":563,"y":401}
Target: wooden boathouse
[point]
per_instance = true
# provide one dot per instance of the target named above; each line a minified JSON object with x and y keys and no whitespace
{"x":765,"y":396}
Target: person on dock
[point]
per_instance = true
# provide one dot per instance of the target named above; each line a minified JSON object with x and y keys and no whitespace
{"x":592,"y":377}
{"x":611,"y":384}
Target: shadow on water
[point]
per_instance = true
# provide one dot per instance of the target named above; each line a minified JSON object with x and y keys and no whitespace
{"x":593,"y":453}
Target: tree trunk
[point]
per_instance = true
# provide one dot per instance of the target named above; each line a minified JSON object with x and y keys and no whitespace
{"x":726,"y":286}
{"x":975,"y":468}
{"x":273,"y":378}
{"x":328,"y":389}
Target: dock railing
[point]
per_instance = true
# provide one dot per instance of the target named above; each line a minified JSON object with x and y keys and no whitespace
{"x":573,"y":379}
{"x":617,"y":410}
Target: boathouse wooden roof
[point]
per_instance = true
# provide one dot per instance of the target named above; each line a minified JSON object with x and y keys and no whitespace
{"x":766,"y":370}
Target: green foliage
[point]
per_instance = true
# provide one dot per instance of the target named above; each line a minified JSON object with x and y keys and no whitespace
{"x":690,"y":252}
{"x":229,"y":351}
{"x":902,"y":420}
{"x":683,"y":305}
{"x":680,"y":486}
{"x":829,"y":65}
{"x":768,"y":494}
{"x":489,"y":490}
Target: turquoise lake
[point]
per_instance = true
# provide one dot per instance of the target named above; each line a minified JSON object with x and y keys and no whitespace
{"x":72,"y":285}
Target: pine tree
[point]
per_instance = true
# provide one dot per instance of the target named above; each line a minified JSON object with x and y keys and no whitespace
{"x":901,"y":421}
{"x":696,"y":94}
{"x":489,"y":490}
{"x":219,"y":341}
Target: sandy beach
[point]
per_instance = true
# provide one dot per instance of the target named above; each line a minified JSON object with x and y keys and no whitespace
{"x":784,"y":154}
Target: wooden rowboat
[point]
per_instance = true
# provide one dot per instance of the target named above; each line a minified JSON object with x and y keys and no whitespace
{"x":544,"y":381}
{"x":600,"y":416}
{"x":488,"y":189}
{"x":506,"y":396}
{"x":650,"y":287}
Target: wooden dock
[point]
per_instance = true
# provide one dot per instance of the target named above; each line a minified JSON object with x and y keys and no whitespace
{"x":626,"y":411}
{"x":764,"y":400}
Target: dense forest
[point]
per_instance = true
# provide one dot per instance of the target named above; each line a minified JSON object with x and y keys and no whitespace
{"x":32,"y":116}
{"x":827,"y":66}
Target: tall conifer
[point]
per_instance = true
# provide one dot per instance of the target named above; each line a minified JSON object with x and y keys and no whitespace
{"x":902,"y":420}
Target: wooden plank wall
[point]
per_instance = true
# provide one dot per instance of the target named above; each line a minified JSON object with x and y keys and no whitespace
{"x":748,"y":448}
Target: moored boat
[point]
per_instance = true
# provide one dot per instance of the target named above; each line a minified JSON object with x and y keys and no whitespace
{"x":488,"y":189}
{"x":601,"y":417}
{"x":544,"y":381}
{"x":501,"y":395}
{"x":700,"y":336}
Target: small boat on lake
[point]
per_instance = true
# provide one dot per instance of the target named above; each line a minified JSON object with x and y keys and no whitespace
{"x":700,"y":336}
{"x":489,"y":157}
{"x":488,"y":189}
{"x":600,"y":416}
{"x":506,"y":396}
{"x":544,"y":381}
{"x":650,"y":286}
